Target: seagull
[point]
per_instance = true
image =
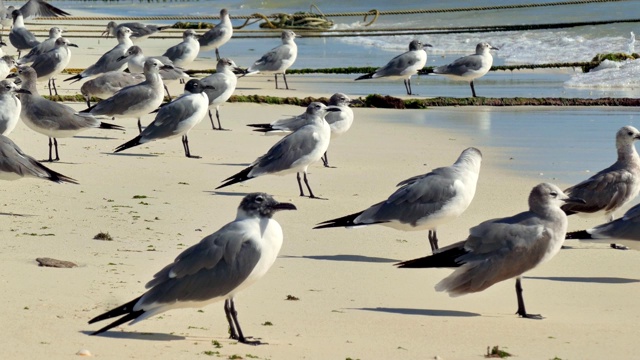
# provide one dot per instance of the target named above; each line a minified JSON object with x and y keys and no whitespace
{"x":279,"y":59}
{"x":340,"y":121}
{"x":501,"y":249}
{"x":20,"y":37}
{"x":424,"y":201}
{"x":403,"y":66}
{"x":216,"y":268}
{"x":31,"y":9}
{"x":184,"y":53}
{"x":9,"y":106}
{"x":109,"y":61}
{"x":52,"y":62}
{"x":469,"y":68}
{"x":139,"y":31}
{"x":218,"y":36}
{"x":613,"y":187}
{"x":625,"y":230}
{"x":54,"y":33}
{"x":135,"y":100}
{"x":50,"y":118}
{"x":293,"y":153}
{"x":135,"y":61}
{"x":7,"y":63}
{"x":176,"y":118}
{"x":222,"y":84}
{"x":15,"y":164}
{"x":107,"y":84}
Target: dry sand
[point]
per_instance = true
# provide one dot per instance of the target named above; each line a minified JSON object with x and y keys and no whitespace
{"x":352,"y":302}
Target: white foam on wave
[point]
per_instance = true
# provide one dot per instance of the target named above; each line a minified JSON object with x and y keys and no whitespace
{"x":609,"y":75}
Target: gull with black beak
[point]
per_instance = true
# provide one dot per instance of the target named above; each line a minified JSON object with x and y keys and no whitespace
{"x":185,"y":52}
{"x":139,"y":31}
{"x":218,"y":35}
{"x":469,"y":68}
{"x":505,"y":248}
{"x":176,"y":118}
{"x":423,"y":202}
{"x":403,"y":66}
{"x":218,"y":267}
{"x":20,"y":37}
{"x":54,"y":33}
{"x":279,"y":59}
{"x":221,"y":86}
{"x":52,"y":62}
{"x":293,"y":153}
{"x":136,"y":100}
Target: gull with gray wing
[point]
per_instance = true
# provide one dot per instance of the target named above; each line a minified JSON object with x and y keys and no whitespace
{"x":221,"y":86}
{"x":423,"y":202}
{"x":218,"y":267}
{"x":52,"y":62}
{"x":176,"y":118}
{"x":107,"y":84}
{"x":624,"y":230}
{"x":403,"y":66}
{"x":218,"y":35}
{"x":139,"y":31}
{"x":15,"y":164}
{"x":293,"y":153}
{"x":505,"y":248}
{"x":50,"y":118}
{"x":184,"y":53}
{"x":279,"y":59}
{"x":19,"y":36}
{"x":469,"y":68}
{"x":54,"y":33}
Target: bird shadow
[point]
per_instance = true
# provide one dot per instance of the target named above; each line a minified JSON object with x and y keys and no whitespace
{"x":12,"y":214}
{"x":95,"y":137}
{"x":137,"y":335}
{"x":129,"y":154}
{"x":231,"y":164}
{"x":597,"y":280}
{"x":422,"y":312}
{"x":344,"y":257}
{"x":226,"y":193}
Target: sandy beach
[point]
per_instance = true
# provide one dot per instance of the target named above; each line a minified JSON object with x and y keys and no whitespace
{"x":352,"y":303}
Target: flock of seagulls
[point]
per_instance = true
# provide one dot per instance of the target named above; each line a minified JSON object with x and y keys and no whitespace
{"x":242,"y":251}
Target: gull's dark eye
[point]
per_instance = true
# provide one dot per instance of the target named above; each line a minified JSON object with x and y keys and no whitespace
{"x":554,"y":194}
{"x":259,"y":198}
{"x":630,"y":133}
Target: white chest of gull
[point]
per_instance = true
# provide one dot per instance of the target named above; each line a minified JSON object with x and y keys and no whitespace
{"x":339,"y":121}
{"x":137,"y":100}
{"x":176,"y":118}
{"x":15,"y":164}
{"x":501,"y":249}
{"x":54,"y":33}
{"x":109,"y":61}
{"x":469,"y":68}
{"x":221,"y":86}
{"x":294,"y":153}
{"x":50,"y":118}
{"x":278,"y":59}
{"x":218,"y":35}
{"x":216,"y":268}
{"x":20,"y":37}
{"x":184,"y":53}
{"x":403,"y":66}
{"x":9,"y":106}
{"x":52,"y":62}
{"x":139,"y":31}
{"x":6,"y":64}
{"x":423,"y":202}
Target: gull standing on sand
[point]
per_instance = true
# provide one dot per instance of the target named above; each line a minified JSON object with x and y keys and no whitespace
{"x":218,"y":36}
{"x":136,"y":59}
{"x":613,"y":187}
{"x":279,"y":59}
{"x":136,"y":100}
{"x":501,"y":249}
{"x":221,"y":86}
{"x":340,"y":121}
{"x":625,"y":230}
{"x":9,"y":106}
{"x":107,"y":84}
{"x":403,"y":66}
{"x":50,"y":118}
{"x":109,"y":61}
{"x":469,"y":68}
{"x":30,"y":9}
{"x":293,"y":153}
{"x":7,"y":63}
{"x":20,"y":37}
{"x":139,"y":31}
{"x":176,"y":118}
{"x":52,"y":62}
{"x":15,"y":164}
{"x":184,"y":53}
{"x":216,"y":268}
{"x":424,"y":201}
{"x":54,"y":33}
